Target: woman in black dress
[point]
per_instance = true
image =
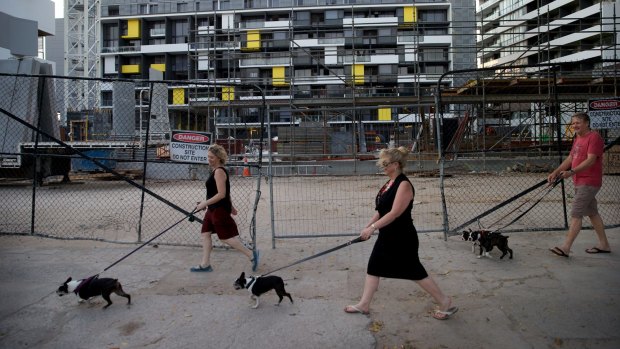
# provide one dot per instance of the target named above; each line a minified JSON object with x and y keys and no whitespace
{"x":395,"y":254}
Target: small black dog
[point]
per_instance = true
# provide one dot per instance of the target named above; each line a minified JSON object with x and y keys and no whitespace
{"x":93,"y":286}
{"x":257,"y":285}
{"x":488,"y":241}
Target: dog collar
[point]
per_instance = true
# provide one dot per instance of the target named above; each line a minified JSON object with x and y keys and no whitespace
{"x":252,"y":281}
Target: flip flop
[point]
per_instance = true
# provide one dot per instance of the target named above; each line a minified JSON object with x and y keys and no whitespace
{"x":352,"y":309}
{"x":594,"y":250}
{"x":558,"y":251}
{"x":200,"y":268}
{"x":445,"y":314}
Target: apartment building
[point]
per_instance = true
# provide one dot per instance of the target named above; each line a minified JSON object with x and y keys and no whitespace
{"x":530,"y":32}
{"x":336,"y":62}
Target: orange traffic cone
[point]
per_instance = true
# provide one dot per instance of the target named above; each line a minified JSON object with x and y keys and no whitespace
{"x":246,"y":168}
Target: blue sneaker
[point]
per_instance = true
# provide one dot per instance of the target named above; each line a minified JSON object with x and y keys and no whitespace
{"x":255,"y":254}
{"x":200,"y":268}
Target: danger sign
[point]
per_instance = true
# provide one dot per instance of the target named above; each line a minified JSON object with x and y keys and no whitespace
{"x":604,"y":113}
{"x":189,"y":146}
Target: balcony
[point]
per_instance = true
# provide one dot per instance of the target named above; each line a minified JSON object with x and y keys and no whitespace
{"x":121,"y":49}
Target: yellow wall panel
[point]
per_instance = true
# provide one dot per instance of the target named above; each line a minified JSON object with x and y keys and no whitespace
{"x":133,"y":29}
{"x":385,"y":114}
{"x":278,"y":75}
{"x":228,"y":93}
{"x":253,"y":41}
{"x":178,"y":96}
{"x":411,"y":14}
{"x":130,"y":69}
{"x":358,"y":74}
{"x":159,"y":66}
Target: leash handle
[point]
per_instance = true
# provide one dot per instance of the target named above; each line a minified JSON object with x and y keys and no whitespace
{"x":348,"y":243}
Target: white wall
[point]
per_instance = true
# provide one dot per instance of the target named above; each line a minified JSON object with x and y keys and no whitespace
{"x":41,"y":11}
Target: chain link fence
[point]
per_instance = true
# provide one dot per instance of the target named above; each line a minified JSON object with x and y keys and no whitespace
{"x":504,"y":132}
{"x":92,"y":176}
{"x":105,"y":173}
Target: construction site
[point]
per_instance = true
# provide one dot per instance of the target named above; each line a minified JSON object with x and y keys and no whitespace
{"x":337,"y":82}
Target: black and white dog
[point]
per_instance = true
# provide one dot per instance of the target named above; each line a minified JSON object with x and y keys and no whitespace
{"x":474,"y":237}
{"x":92,"y":287}
{"x":486,"y":240}
{"x":257,"y":285}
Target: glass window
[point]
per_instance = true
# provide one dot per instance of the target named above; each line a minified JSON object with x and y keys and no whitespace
{"x":280,"y":35}
{"x":333,"y":14}
{"x":179,"y":32}
{"x":113,"y":10}
{"x":433,"y":16}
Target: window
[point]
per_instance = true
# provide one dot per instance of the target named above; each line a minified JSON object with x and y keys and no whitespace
{"x":387,"y":70}
{"x":433,"y":54}
{"x":433,"y":16}
{"x":106,"y":98}
{"x":433,"y":69}
{"x":113,"y":10}
{"x":179,"y":63}
{"x":334,"y":14}
{"x":280,"y":35}
{"x":180,"y":30}
{"x":110,"y":36}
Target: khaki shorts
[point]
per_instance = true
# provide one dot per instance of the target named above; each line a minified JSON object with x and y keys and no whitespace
{"x":584,"y":203}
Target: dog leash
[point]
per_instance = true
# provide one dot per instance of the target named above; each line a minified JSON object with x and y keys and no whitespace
{"x":550,"y":187}
{"x":146,"y":243}
{"x":356,"y":240}
{"x":498,"y":206}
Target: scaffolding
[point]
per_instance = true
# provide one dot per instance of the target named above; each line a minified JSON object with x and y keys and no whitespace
{"x":82,"y":42}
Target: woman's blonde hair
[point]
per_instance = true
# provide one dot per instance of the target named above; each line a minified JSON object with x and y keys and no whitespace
{"x":220,"y":152}
{"x":394,"y":155}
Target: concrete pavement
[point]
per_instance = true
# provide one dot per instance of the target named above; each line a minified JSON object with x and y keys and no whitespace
{"x":536,"y":300}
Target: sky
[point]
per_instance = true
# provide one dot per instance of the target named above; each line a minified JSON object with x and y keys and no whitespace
{"x":59,"y":9}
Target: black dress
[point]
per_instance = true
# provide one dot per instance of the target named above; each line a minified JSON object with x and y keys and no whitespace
{"x":395,"y":254}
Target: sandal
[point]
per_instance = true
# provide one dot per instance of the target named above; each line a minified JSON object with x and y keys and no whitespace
{"x":200,"y":268}
{"x":445,"y":314}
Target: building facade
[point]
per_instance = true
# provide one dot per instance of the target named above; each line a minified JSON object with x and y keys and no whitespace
{"x":332,"y":62}
{"x":548,"y":31}
{"x":22,"y":25}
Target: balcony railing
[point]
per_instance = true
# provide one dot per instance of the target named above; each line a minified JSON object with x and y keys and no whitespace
{"x":117,"y":49}
{"x":157,"y":32}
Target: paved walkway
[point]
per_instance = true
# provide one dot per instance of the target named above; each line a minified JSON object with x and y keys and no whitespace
{"x":536,"y":300}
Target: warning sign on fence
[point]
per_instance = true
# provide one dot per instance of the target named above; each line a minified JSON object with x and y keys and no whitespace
{"x":189,"y":146}
{"x":604,"y":113}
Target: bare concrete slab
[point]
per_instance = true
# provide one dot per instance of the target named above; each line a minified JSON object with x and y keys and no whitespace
{"x":536,"y":300}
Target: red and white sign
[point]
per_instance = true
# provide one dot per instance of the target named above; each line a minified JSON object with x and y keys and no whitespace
{"x":604,"y":113}
{"x":189,"y":146}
